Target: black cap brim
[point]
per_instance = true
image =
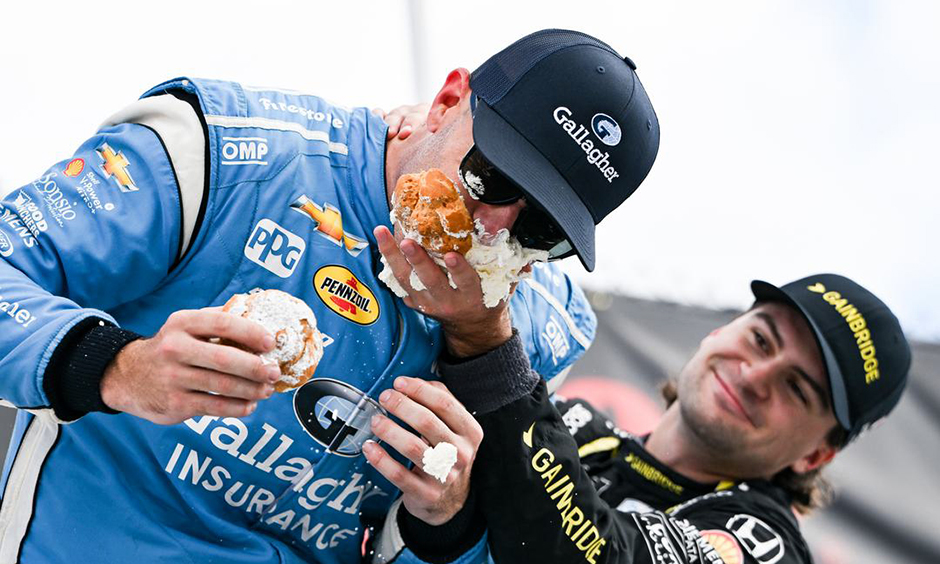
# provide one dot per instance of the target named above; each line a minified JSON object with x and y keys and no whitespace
{"x":765,"y":291}
{"x":522,"y":163}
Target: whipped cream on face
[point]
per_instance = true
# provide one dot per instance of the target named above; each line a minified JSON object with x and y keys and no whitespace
{"x":499,"y":263}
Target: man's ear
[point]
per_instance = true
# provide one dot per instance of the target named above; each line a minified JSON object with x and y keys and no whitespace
{"x":819,"y":457}
{"x":455,"y":90}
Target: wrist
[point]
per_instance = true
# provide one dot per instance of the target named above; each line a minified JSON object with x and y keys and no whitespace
{"x":123,"y":361}
{"x":473,"y":339}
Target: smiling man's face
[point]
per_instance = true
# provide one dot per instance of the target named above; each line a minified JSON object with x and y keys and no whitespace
{"x":756,"y":393}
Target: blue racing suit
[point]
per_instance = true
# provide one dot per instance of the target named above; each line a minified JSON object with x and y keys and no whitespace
{"x":167,"y":208}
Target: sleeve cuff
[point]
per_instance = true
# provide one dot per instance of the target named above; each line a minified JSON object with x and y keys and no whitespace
{"x":73,"y":377}
{"x":488,"y":382}
{"x":442,"y":543}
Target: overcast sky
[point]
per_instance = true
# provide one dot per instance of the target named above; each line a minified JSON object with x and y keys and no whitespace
{"x":797,"y":137}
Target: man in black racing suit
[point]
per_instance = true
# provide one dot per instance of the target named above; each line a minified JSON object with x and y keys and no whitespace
{"x":761,"y":407}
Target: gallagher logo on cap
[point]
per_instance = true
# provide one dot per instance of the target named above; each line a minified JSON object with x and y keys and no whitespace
{"x":606,"y":129}
{"x":343,"y":293}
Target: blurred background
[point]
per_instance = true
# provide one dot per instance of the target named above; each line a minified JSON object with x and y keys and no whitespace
{"x":797,"y":137}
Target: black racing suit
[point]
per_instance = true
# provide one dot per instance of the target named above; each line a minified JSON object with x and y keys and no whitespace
{"x":560,"y":483}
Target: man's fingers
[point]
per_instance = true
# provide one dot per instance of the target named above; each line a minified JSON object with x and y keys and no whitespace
{"x":221,"y":406}
{"x":405,"y":442}
{"x":435,"y":397}
{"x":214,"y":323}
{"x":223,"y":358}
{"x":404,"y":131}
{"x":400,"y":266}
{"x":463,"y":274}
{"x":405,"y":480}
{"x":226,"y":385}
{"x":430,"y":274}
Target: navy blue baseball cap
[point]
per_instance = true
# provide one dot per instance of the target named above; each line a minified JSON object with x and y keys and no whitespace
{"x":564,"y":117}
{"x":866,"y":355}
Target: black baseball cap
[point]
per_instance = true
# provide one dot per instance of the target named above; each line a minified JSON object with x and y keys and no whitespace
{"x":565,"y":117}
{"x":866,"y":355}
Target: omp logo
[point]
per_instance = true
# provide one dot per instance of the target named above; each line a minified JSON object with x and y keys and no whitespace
{"x":759,"y":540}
{"x":556,"y":338}
{"x":343,"y":293}
{"x":606,"y":128}
{"x":328,"y":221}
{"x":115,"y":166}
{"x":274,"y":248}
{"x":579,"y":134}
{"x":6,"y":245}
{"x":74,"y":168}
{"x":244,"y":151}
{"x":336,"y":415}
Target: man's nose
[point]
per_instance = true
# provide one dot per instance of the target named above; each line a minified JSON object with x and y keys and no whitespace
{"x":495,"y":218}
{"x":757,"y":376}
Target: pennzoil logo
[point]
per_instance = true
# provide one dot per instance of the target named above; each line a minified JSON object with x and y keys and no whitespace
{"x":343,"y":293}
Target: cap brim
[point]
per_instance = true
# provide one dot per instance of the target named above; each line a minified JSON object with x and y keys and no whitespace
{"x":522,"y":163}
{"x":765,"y":291}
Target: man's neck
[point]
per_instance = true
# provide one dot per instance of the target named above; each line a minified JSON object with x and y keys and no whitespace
{"x":673,"y":444}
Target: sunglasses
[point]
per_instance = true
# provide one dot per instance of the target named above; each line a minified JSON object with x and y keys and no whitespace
{"x":534,"y":228}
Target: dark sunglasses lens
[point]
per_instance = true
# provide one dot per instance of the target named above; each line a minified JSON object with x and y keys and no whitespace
{"x":484,"y":182}
{"x":534,"y":229}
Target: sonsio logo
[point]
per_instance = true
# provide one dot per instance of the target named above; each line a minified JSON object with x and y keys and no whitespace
{"x":343,"y":293}
{"x":74,"y":168}
{"x":6,"y":245}
{"x":336,"y":415}
{"x":329,"y":224}
{"x":114,"y":166}
{"x":244,"y":151}
{"x":579,"y":134}
{"x":58,"y":204}
{"x":274,"y":248}
{"x":606,"y":128}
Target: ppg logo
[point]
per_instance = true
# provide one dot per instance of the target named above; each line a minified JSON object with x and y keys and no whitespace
{"x":336,"y":415}
{"x":244,"y":151}
{"x":606,"y":129}
{"x":274,"y":248}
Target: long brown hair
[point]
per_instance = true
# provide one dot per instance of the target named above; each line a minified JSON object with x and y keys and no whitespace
{"x":808,"y":491}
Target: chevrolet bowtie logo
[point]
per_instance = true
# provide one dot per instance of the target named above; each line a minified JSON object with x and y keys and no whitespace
{"x":329,"y":224}
{"x":114,"y":166}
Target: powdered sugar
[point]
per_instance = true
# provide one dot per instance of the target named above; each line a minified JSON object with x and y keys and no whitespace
{"x":298,"y":343}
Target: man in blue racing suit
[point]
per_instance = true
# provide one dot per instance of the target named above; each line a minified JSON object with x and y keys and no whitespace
{"x":174,"y":446}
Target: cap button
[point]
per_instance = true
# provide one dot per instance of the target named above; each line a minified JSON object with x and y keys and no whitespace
{"x":630,"y":62}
